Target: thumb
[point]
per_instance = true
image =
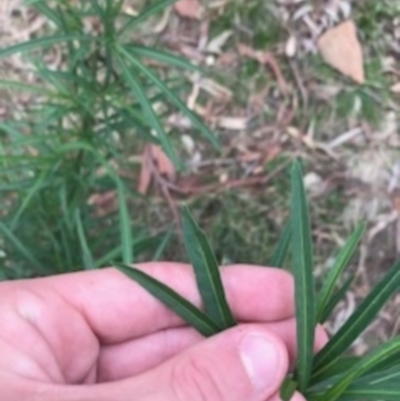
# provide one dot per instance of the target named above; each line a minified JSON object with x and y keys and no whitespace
{"x":244,"y":363}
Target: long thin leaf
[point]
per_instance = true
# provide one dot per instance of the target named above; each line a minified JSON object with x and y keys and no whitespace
{"x":335,"y":299}
{"x":340,"y":367}
{"x":86,"y":254}
{"x":279,"y":256}
{"x":187,"y":311}
{"x":145,"y":14}
{"x":125,"y":225}
{"x":163,"y":244}
{"x":175,"y":100}
{"x":163,"y":57}
{"x":377,"y":356}
{"x":341,"y":262}
{"x":207,"y":272}
{"x":38,"y":43}
{"x":384,"y":385}
{"x":16,"y":85}
{"x":138,"y":92}
{"x":359,"y":320}
{"x":302,"y":252}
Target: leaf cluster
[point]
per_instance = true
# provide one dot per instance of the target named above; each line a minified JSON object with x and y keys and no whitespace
{"x":331,"y":374}
{"x":84,"y":117}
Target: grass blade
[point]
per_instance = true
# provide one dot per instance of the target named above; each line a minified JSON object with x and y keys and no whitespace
{"x":377,"y":356}
{"x":335,"y":299}
{"x":341,"y":262}
{"x":340,"y":366}
{"x":380,"y":386}
{"x":145,"y":14}
{"x":163,"y":57}
{"x":175,"y":100}
{"x":163,"y":244}
{"x":359,"y":320}
{"x":281,"y":250}
{"x":139,"y":93}
{"x":38,"y":43}
{"x":188,"y":312}
{"x":86,"y":254}
{"x":303,"y":274}
{"x":125,"y":225}
{"x":207,"y":272}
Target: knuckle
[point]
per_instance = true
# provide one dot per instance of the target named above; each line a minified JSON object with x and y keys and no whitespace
{"x":193,"y":380}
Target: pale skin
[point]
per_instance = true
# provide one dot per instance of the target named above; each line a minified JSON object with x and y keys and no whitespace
{"x":98,"y":336}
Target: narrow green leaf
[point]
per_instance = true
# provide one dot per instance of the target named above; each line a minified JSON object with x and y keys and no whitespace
{"x":359,"y":320}
{"x":86,"y":254}
{"x":377,"y":356}
{"x":187,"y":311}
{"x":163,"y":244}
{"x":339,"y":367}
{"x":288,"y":388}
{"x":38,"y":43}
{"x":384,"y":385}
{"x":125,"y":225}
{"x":48,"y":12}
{"x":279,"y":256}
{"x":139,"y":93}
{"x":175,"y":100}
{"x":145,"y":14}
{"x":163,"y":57}
{"x":208,"y":275}
{"x":21,"y":247}
{"x":21,"y":86}
{"x":302,"y":252}
{"x":335,"y":299}
{"x":341,"y":262}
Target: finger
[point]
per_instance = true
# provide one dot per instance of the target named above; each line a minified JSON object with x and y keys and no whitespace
{"x":244,"y":363}
{"x":134,"y":357}
{"x":118,"y":309}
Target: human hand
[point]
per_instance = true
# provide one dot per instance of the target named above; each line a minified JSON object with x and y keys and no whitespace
{"x":98,"y":336}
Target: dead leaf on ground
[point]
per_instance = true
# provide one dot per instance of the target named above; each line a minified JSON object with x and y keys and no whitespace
{"x":191,"y":9}
{"x":153,"y":157}
{"x":104,"y":203}
{"x":342,"y":50}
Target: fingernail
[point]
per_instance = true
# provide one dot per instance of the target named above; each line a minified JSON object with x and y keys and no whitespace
{"x":260,"y":358}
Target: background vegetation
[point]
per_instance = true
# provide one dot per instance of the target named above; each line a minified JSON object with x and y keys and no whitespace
{"x":97,"y":87}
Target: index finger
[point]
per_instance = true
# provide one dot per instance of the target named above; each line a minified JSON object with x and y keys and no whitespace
{"x":118,"y":309}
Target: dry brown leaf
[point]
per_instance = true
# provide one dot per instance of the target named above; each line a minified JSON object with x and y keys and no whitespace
{"x":342,"y":50}
{"x":162,"y":162}
{"x":105,"y":203}
{"x":189,"y":9}
{"x":145,"y":171}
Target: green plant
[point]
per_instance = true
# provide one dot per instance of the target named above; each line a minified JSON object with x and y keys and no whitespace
{"x":331,"y":374}
{"x":84,"y":119}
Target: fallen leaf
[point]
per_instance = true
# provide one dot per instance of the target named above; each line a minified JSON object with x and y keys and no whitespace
{"x":216,"y":44}
{"x":342,"y":50}
{"x":105,"y":203}
{"x":145,"y":171}
{"x":155,"y":163}
{"x":163,"y":164}
{"x":191,"y":9}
